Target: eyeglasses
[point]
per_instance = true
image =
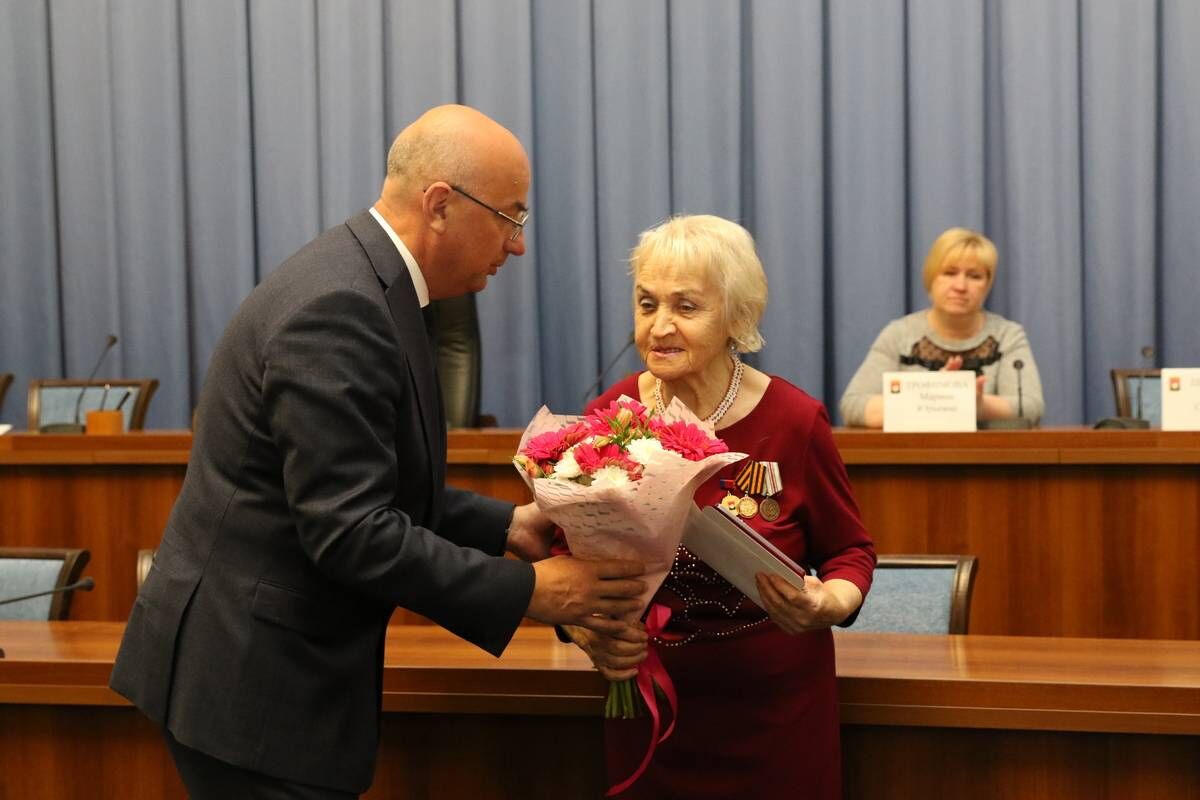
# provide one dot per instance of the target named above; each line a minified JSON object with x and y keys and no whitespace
{"x":519,"y":221}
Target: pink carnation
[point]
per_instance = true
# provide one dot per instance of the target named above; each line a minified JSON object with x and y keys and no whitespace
{"x":630,"y":466}
{"x":688,"y":440}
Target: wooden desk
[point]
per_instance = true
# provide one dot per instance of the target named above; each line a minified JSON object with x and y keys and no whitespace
{"x":109,"y":494}
{"x":1078,"y":532}
{"x":922,"y":716}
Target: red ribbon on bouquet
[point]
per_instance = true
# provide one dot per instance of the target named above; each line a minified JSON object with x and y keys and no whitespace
{"x":651,"y":672}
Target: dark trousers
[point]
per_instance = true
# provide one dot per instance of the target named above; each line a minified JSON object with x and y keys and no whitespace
{"x":208,"y":778}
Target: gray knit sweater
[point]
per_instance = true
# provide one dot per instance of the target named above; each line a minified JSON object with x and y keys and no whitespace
{"x":909,"y":344}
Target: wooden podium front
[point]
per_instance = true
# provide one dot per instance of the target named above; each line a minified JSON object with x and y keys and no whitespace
{"x":1078,"y":532}
{"x":922,"y":716}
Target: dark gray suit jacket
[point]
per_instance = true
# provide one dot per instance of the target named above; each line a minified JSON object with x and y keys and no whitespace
{"x":314,"y":504}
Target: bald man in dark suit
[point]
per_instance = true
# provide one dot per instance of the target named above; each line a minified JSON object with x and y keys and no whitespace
{"x":315,"y":500}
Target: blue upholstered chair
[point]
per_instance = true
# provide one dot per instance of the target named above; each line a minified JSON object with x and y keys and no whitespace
{"x":1126,"y":383}
{"x":6,"y":380}
{"x":27,"y":570}
{"x":919,"y":594}
{"x":54,"y":401}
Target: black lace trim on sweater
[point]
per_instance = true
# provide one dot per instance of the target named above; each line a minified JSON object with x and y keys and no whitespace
{"x":928,"y":355}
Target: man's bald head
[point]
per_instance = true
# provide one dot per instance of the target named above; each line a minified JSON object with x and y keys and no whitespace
{"x":450,"y":143}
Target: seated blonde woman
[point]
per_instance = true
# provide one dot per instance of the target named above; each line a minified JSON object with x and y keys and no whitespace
{"x":954,"y":333}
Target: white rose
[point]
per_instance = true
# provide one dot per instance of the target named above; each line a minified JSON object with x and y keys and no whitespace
{"x":567,"y":467}
{"x":642,"y":450}
{"x":610,"y":476}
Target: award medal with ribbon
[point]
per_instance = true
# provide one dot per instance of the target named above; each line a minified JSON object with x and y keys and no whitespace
{"x":730,"y":500}
{"x":750,"y":481}
{"x":769,"y":508}
{"x":762,"y":478}
{"x":747,"y":507}
{"x":772,"y":485}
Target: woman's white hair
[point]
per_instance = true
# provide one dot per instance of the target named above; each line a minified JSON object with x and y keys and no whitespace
{"x":725,"y":251}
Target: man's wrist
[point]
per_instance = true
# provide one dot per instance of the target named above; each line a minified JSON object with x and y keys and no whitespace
{"x":508,"y":529}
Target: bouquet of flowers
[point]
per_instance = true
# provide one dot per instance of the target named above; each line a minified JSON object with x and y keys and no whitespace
{"x":619,"y":482}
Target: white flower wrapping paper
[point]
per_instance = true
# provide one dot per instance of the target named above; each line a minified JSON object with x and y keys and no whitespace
{"x":642,"y":520}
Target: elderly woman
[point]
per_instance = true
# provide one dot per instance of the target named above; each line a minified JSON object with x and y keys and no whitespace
{"x":758,"y":711}
{"x":953,"y":333}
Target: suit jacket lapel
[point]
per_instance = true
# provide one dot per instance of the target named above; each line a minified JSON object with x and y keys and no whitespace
{"x":414,"y":340}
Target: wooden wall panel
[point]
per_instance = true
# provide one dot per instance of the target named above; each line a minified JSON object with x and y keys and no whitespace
{"x":60,"y":753}
{"x":923,"y":716}
{"x":465,"y":755}
{"x":71,"y":752}
{"x":1064,"y":550}
{"x":112,"y":510}
{"x":900,"y":763}
{"x":1078,"y":532}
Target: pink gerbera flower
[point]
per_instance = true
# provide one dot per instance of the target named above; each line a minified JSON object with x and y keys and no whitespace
{"x":688,"y":440}
{"x":547,"y":446}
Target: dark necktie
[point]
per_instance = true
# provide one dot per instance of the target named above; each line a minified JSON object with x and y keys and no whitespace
{"x":430,"y":316}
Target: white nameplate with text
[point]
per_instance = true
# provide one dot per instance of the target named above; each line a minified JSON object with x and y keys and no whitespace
{"x":925,"y":402}
{"x":1180,"y":399}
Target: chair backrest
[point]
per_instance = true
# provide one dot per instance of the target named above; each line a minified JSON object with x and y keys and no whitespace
{"x":6,"y":379}
{"x":1126,"y":383}
{"x":26,"y":570}
{"x":459,"y":359}
{"x":145,"y":558}
{"x":52,"y":401}
{"x":919,"y":594}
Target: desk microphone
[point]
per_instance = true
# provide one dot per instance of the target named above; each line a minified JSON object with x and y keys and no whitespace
{"x":82,"y":585}
{"x":1019,"y":365}
{"x":77,"y":425}
{"x":600,"y":378}
{"x":1018,"y":423}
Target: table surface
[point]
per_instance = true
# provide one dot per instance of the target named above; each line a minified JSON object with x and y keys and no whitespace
{"x":1065,"y":445}
{"x":1115,"y":685}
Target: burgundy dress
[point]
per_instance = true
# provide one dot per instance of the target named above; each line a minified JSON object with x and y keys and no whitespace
{"x":758,"y":709}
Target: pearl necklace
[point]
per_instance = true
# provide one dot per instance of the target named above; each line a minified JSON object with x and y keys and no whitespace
{"x":735,"y":382}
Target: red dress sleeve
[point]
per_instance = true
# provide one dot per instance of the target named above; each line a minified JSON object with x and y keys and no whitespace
{"x":839,"y":545}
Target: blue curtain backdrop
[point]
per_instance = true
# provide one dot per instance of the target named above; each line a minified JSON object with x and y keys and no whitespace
{"x":158,"y":158}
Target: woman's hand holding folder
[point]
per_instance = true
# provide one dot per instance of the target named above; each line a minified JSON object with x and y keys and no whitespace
{"x":818,"y":605}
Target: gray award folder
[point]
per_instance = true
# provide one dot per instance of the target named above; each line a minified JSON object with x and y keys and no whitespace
{"x":736,"y":551}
